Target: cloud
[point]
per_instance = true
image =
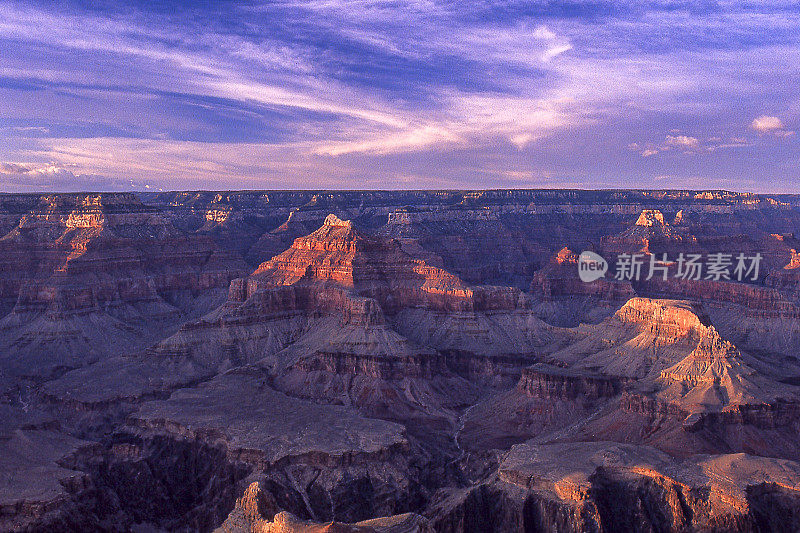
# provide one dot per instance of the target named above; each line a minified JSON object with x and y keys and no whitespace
{"x":521,"y":140}
{"x":416,"y":139}
{"x":312,"y":86}
{"x":13,"y":168}
{"x":41,"y":130}
{"x":684,"y":143}
{"x":766,"y":124}
{"x":27,"y":177}
{"x":555,"y":51}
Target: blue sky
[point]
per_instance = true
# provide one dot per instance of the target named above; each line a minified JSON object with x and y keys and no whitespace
{"x":399,"y":94}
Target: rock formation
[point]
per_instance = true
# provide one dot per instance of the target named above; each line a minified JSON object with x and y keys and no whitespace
{"x":394,"y":362}
{"x":90,"y":275}
{"x":650,"y":233}
{"x":256,"y":510}
{"x":563,"y":299}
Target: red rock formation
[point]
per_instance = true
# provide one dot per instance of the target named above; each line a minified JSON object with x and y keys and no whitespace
{"x":338,"y":254}
{"x":354,"y":375}
{"x":650,"y":233}
{"x":254,"y":513}
{"x":714,"y":376}
{"x":666,"y":319}
{"x":80,"y":264}
{"x":614,"y":487}
{"x":108,"y":239}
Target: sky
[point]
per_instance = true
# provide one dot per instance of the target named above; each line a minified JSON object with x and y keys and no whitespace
{"x":363,"y":94}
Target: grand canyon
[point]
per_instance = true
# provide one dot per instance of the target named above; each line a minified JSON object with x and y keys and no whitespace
{"x":421,"y":361}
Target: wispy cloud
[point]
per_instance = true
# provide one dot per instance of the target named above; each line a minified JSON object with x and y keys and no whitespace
{"x":327,"y":87}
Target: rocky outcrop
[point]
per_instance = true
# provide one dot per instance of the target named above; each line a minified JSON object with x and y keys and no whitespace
{"x":756,"y":318}
{"x":606,"y":486}
{"x":560,"y":278}
{"x":256,"y":511}
{"x":638,"y":341}
{"x":657,"y":373}
{"x":339,"y":254}
{"x":756,"y":301}
{"x":650,"y":233}
{"x":91,"y":274}
{"x":667,"y":319}
{"x":563,"y":299}
{"x":549,"y":382}
{"x":334,"y":278}
{"x":714,"y":374}
{"x":317,"y":461}
{"x":374,"y":369}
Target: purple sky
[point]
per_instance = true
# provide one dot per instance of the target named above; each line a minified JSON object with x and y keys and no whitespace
{"x":396,"y":94}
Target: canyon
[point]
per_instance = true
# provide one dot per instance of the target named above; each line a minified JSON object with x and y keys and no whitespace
{"x":406,"y":361}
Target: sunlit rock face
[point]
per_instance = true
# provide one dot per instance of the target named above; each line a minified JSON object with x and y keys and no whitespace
{"x":395,"y":362}
{"x":84,"y":276}
{"x":337,"y":254}
{"x":651,"y":233}
{"x":651,"y":217}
